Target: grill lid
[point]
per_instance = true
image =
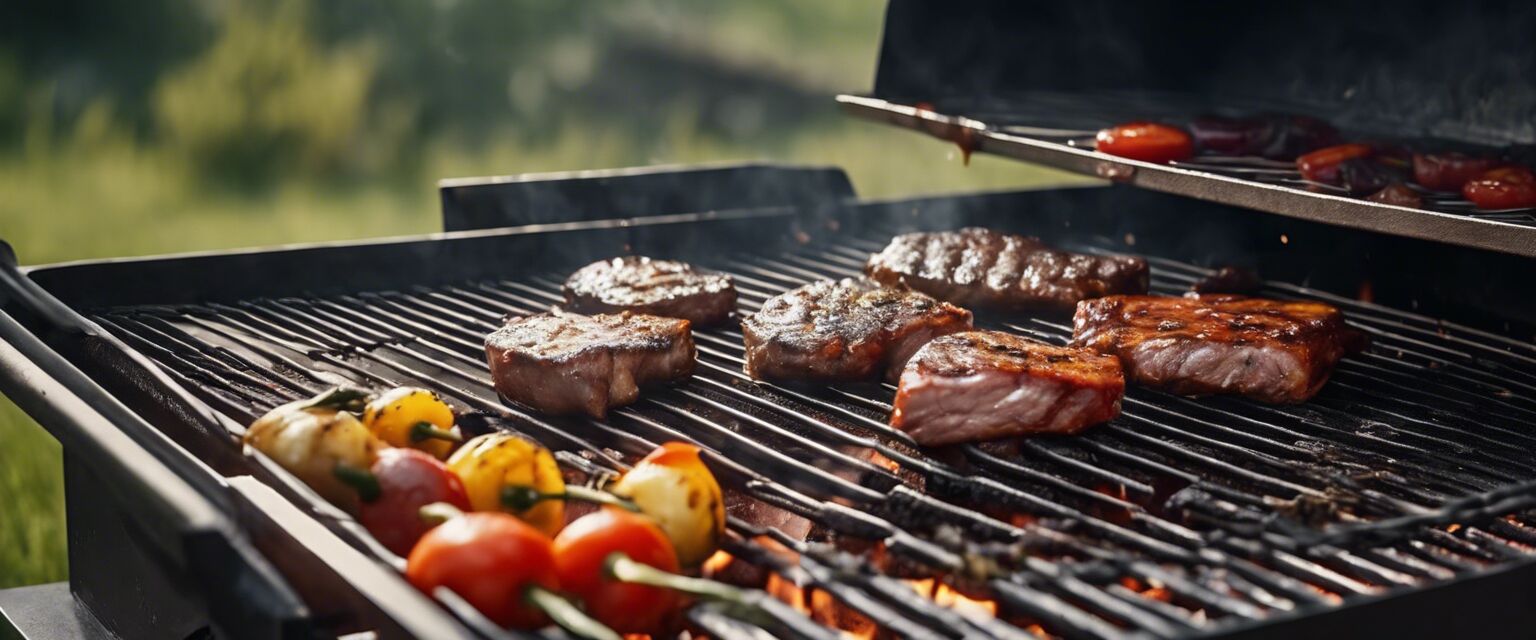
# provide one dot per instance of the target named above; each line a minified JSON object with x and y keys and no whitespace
{"x":1034,"y":81}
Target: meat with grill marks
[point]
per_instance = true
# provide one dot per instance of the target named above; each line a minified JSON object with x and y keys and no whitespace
{"x":847,"y":329}
{"x":984,"y":385}
{"x":1269,"y":350}
{"x":564,"y":363}
{"x":656,"y":287}
{"x":983,"y":268}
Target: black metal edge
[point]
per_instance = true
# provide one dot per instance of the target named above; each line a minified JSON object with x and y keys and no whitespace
{"x":1355,"y":213}
{"x":353,"y":590}
{"x":535,"y":198}
{"x":1499,"y":603}
{"x":244,"y":595}
{"x":47,"y":612}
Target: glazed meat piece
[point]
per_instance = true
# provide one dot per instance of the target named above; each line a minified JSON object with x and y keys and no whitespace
{"x":1269,"y":350}
{"x":844,"y":330}
{"x":562,"y":363}
{"x":983,"y":268}
{"x":983,"y":385}
{"x":656,"y":287}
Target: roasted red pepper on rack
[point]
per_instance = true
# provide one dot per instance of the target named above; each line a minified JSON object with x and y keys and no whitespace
{"x":1324,"y":165}
{"x":582,"y":552}
{"x":1510,"y":187}
{"x":1146,"y":141}
{"x":407,"y":481}
{"x":1450,"y":171}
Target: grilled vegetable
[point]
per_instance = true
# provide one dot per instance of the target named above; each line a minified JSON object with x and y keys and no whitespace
{"x":414,"y":418}
{"x":491,"y":560}
{"x":582,"y":551}
{"x":1324,"y":164}
{"x":1450,"y":171}
{"x":1503,"y":188}
{"x":672,"y":486}
{"x":1398,"y":194}
{"x":408,"y":480}
{"x":1147,"y":141}
{"x":506,"y":472}
{"x":322,"y":443}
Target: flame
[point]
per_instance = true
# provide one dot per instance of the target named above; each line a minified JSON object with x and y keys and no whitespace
{"x":923,"y":587}
{"x":717,"y":563}
{"x":1037,"y":630}
{"x":948,"y":597}
{"x":1453,"y":527}
{"x":787,"y":591}
{"x":1152,"y":589}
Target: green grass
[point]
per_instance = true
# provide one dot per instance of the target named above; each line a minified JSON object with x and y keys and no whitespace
{"x":32,"y":494}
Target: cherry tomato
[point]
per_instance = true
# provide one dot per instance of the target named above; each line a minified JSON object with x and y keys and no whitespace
{"x":490,"y":559}
{"x":1503,"y":188}
{"x":581,"y":555}
{"x":1323,"y":165}
{"x":408,"y":480}
{"x":1398,"y":194}
{"x":1146,"y":141}
{"x":1449,"y":171}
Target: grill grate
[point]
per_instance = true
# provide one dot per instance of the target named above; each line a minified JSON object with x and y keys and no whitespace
{"x":1412,"y":466}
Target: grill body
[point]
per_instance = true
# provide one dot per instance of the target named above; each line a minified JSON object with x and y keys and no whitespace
{"x":1197,"y":496}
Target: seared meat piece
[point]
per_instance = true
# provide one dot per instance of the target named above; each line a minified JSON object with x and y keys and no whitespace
{"x":1229,"y":279}
{"x":982,"y":385}
{"x":844,"y":330}
{"x":657,"y":287}
{"x":1269,"y":350}
{"x":562,"y":363}
{"x":981,"y":267}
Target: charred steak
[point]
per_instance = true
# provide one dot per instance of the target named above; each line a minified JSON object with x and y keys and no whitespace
{"x":562,"y":363}
{"x":983,"y":268}
{"x":983,"y":385}
{"x":1269,"y":350}
{"x":844,"y":330}
{"x":657,"y":287}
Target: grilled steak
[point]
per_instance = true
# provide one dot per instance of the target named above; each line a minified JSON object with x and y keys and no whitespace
{"x":844,"y":330}
{"x":657,"y":287}
{"x":563,"y":363}
{"x":982,"y":385}
{"x":1268,"y":350}
{"x":983,"y":268}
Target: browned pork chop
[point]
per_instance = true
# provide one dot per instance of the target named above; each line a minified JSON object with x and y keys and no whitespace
{"x":657,"y":287}
{"x":844,"y":330}
{"x":983,"y":385}
{"x":1269,"y":350}
{"x":561,"y":363}
{"x":983,"y":268}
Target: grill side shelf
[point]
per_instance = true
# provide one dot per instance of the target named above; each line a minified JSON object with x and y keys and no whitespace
{"x":1514,"y":235}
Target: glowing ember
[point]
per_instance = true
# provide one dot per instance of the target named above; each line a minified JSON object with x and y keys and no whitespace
{"x":1453,"y":528}
{"x":1037,"y":630}
{"x":882,"y":461}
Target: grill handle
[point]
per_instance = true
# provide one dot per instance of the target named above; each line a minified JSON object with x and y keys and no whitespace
{"x":190,"y":537}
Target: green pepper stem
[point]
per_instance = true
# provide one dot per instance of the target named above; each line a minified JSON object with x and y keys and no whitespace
{"x":438,"y":513}
{"x":427,"y":431}
{"x":565,"y":614}
{"x":523,"y":498}
{"x":340,"y":399}
{"x":362,"y":480}
{"x":742,"y":603}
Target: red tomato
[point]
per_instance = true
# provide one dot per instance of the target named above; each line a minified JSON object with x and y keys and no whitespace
{"x":1146,"y":141}
{"x":490,"y":559}
{"x":1323,"y":165}
{"x":408,"y":480}
{"x":582,"y":550}
{"x":1503,"y":188}
{"x":1449,"y":171}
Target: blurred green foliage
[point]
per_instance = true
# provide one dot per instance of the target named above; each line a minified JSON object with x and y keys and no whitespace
{"x":165,"y":125}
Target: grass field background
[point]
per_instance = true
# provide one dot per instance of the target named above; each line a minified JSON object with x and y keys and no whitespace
{"x":243,"y":124}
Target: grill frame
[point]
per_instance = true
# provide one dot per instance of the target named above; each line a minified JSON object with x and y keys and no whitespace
{"x":300,"y":268}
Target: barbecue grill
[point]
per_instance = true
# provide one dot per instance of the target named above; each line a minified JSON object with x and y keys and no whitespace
{"x":1398,"y":501}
